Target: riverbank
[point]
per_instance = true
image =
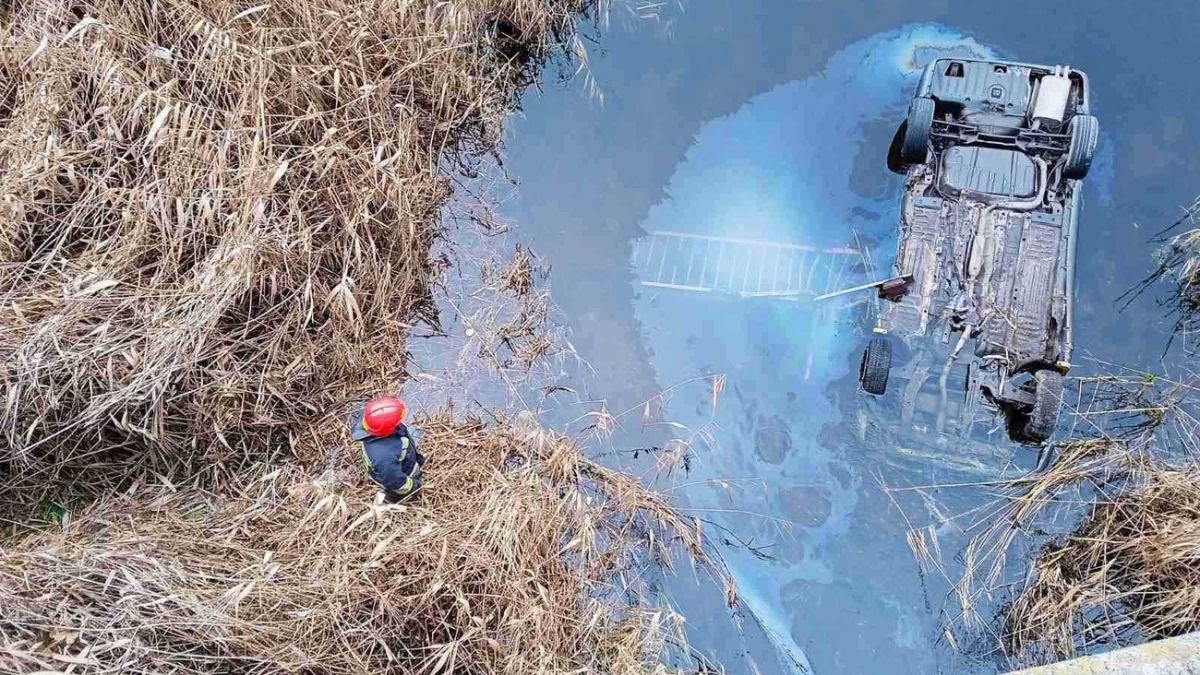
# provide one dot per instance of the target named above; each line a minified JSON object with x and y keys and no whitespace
{"x":1100,"y":550}
{"x":219,"y":219}
{"x":218,"y":229}
{"x":520,"y":556}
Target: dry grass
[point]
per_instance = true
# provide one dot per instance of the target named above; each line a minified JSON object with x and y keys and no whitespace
{"x":1130,"y":572}
{"x":1178,"y":261}
{"x":1111,"y":530}
{"x":521,"y":557}
{"x":215,"y":234}
{"x":216,"y":218}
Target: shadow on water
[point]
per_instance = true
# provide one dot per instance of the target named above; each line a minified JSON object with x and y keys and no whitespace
{"x":792,"y":480}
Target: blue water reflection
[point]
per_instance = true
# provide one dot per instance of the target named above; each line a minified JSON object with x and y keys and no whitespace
{"x":768,"y":120}
{"x":788,"y":458}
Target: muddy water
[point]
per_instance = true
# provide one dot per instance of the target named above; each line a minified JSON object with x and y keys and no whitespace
{"x":770,"y":123}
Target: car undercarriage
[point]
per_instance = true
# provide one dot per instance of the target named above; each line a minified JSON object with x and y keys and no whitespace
{"x":993,"y":154}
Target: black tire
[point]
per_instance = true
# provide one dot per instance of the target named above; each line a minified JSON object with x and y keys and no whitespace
{"x":895,"y":163}
{"x":915,"y":149}
{"x":876,"y":365}
{"x":1042,"y":419}
{"x":1085,"y":131}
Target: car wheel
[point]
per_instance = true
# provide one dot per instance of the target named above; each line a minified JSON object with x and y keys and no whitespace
{"x":895,"y":162}
{"x":876,"y":365}
{"x":1085,"y":131}
{"x":1047,"y":401}
{"x":919,"y":128}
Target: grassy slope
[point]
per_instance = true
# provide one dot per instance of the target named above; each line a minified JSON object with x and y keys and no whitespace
{"x":215,"y":234}
{"x":217,"y":218}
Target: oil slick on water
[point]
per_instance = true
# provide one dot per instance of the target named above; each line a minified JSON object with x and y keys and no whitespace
{"x":802,"y":163}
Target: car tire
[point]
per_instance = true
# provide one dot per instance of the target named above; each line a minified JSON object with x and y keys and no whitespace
{"x":895,"y":162}
{"x":876,"y":366}
{"x":1085,"y":131}
{"x":915,"y":149}
{"x":1042,"y":419}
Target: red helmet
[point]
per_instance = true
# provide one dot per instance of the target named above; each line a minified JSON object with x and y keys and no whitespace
{"x":382,"y":415}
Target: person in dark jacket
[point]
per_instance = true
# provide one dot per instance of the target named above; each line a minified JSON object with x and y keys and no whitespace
{"x":389,"y":451}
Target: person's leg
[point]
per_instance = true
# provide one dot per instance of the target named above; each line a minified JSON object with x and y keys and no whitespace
{"x":416,"y":485}
{"x":403,"y":493}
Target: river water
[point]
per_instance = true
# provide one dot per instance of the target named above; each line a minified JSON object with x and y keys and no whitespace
{"x":769,"y":121}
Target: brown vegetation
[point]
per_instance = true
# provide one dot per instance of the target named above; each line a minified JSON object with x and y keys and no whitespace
{"x":1131,"y":571}
{"x":215,"y":231}
{"x":521,"y":556}
{"x":1112,"y":526}
{"x":1178,"y":262}
{"x":216,"y":217}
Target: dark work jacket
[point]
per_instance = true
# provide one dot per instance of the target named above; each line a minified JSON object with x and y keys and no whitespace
{"x":390,"y":464}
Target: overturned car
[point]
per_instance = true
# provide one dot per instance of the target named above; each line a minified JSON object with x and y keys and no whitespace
{"x":993,"y":154}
